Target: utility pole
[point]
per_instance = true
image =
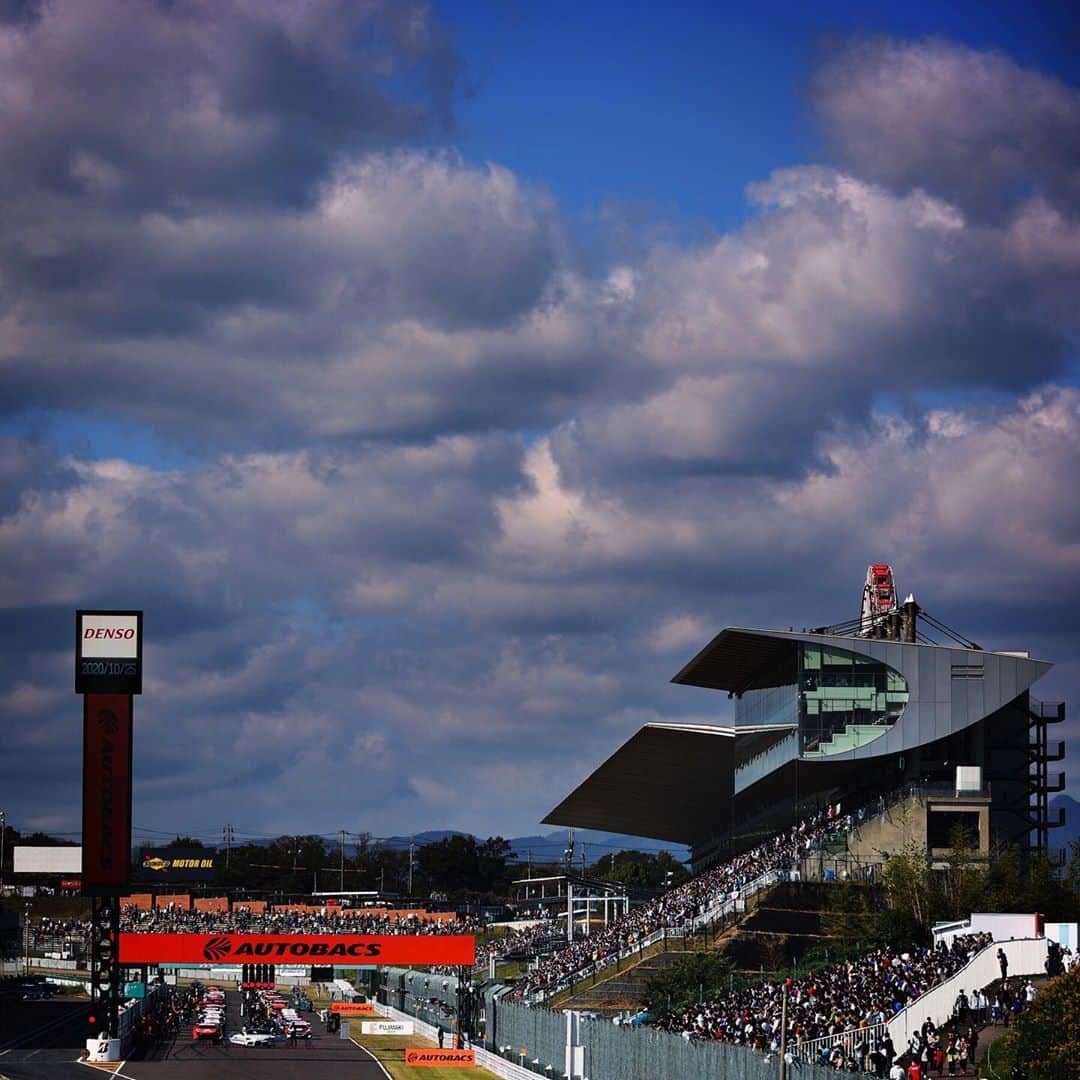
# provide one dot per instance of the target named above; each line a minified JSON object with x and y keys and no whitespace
{"x":26,"y":937}
{"x":228,"y":834}
{"x":783,"y":1029}
{"x":3,"y":830}
{"x":568,"y":854}
{"x":530,"y":864}
{"x":342,"y":885}
{"x":412,"y":850}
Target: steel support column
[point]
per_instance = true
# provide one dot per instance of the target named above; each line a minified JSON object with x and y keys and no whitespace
{"x":106,"y":986}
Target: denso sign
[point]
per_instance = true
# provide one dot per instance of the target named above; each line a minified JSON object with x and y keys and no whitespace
{"x":110,"y":635}
{"x":108,"y":652}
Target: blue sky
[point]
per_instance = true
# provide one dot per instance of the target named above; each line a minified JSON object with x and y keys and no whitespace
{"x":674,"y":109}
{"x":444,"y":377}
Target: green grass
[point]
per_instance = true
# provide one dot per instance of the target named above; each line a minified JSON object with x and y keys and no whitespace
{"x":53,"y":907}
{"x":390,"y":1050}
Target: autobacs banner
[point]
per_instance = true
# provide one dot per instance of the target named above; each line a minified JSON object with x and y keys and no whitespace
{"x":353,"y":1008}
{"x":343,"y":949}
{"x":441,"y":1058}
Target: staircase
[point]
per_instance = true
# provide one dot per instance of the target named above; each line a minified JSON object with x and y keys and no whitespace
{"x":622,"y":991}
{"x":790,"y":913}
{"x":847,"y":738}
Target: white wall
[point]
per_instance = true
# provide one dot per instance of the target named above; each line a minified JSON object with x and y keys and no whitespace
{"x":1064,"y":933}
{"x":1026,"y":957}
{"x":1003,"y":927}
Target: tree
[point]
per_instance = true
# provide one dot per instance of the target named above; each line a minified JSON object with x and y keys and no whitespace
{"x":849,"y":920}
{"x":641,"y":868}
{"x":908,"y":884}
{"x":459,"y":864}
{"x":963,"y":880}
{"x":1046,"y":1038}
{"x":694,"y":977}
{"x":185,"y":842}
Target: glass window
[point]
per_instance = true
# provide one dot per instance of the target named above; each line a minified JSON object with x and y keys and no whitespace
{"x":843,"y":697}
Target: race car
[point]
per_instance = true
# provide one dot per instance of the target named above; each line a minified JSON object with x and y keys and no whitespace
{"x":299,"y":1029}
{"x":252,"y":1038}
{"x":206,"y":1029}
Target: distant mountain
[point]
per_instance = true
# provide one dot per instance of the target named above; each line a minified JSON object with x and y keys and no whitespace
{"x":545,"y":847}
{"x":549,"y":847}
{"x":1070,"y":831}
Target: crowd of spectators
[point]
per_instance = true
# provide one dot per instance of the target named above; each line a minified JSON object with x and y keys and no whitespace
{"x":242,"y":921}
{"x":839,"y":997}
{"x":73,"y":935}
{"x":678,"y":907}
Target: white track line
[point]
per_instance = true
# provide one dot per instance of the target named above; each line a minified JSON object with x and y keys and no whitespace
{"x":373,"y":1058}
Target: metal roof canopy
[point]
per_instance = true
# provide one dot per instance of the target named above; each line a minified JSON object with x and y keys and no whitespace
{"x":669,"y":781}
{"x":738,"y":660}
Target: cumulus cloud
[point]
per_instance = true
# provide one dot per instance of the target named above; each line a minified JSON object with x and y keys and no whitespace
{"x":973,"y":126}
{"x":455,"y":497}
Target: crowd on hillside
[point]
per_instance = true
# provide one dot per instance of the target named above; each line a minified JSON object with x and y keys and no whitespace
{"x":678,"y":907}
{"x":839,"y":997}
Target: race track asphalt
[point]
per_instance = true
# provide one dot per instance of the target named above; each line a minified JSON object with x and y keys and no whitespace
{"x":323,"y":1057}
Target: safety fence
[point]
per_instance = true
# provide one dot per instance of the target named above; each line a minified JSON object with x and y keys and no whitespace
{"x":522,"y":1042}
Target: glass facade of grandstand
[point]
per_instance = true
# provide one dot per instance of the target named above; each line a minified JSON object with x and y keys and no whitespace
{"x":842,"y":699}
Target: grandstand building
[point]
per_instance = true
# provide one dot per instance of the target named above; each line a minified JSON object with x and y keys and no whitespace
{"x":835,"y":715}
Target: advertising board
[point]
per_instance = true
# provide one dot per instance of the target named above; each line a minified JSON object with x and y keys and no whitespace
{"x":386,"y":1027}
{"x":31,"y":859}
{"x":108,"y":652}
{"x":174,"y":865}
{"x":396,"y":949}
{"x":461,"y":1059}
{"x":106,"y":850}
{"x":353,"y":1008}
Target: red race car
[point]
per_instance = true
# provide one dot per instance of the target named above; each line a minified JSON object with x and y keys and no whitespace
{"x":205,"y":1029}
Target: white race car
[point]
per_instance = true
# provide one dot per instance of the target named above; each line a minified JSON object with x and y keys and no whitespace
{"x":252,"y":1038}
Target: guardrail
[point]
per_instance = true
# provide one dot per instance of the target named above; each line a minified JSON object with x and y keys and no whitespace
{"x":813,"y":1050}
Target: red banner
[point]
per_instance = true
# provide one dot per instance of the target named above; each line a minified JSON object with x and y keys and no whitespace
{"x":106,"y":848}
{"x":463,"y":1059}
{"x":344,"y":950}
{"x":353,"y":1008}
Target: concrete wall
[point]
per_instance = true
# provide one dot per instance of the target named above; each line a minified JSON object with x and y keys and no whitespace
{"x":890,"y":831}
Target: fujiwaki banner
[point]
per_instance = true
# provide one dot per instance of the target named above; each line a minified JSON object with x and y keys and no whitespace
{"x":386,"y":1027}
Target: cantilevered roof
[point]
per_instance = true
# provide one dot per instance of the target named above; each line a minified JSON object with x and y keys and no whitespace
{"x":738,"y":660}
{"x":669,"y":782}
